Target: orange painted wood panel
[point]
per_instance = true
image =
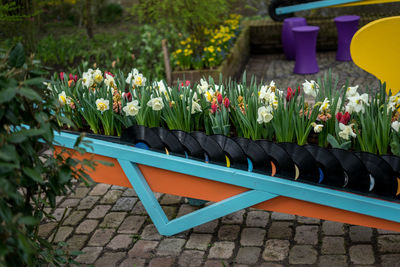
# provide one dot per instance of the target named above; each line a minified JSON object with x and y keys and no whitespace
{"x":164,"y":181}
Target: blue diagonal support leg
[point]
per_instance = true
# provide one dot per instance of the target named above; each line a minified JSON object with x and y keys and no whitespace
{"x":204,"y":215}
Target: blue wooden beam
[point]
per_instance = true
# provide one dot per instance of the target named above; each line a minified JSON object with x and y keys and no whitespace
{"x":267,"y":184}
{"x":311,"y":5}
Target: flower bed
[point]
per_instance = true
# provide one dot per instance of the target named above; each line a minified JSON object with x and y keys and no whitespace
{"x":223,"y":51}
{"x":252,"y":127}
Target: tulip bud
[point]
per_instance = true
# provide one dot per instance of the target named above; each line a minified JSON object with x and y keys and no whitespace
{"x":226,"y":102}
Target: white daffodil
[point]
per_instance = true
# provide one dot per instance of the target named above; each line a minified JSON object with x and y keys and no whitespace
{"x":262,"y":94}
{"x":324,"y":106}
{"x":311,"y":88}
{"x":346,"y":131}
{"x":48,"y":85}
{"x":357,"y":103}
{"x":396,"y":126}
{"x":317,"y":127}
{"x":87,"y":79}
{"x":109,"y":80}
{"x":62,"y":98}
{"x":339,"y":104}
{"x":156,"y":103}
{"x":203,"y":86}
{"x":131,"y":76}
{"x":209,"y":95}
{"x":97,"y":76}
{"x":139,"y":80}
{"x":195,"y":107}
{"x":102,"y":104}
{"x":394,"y":102}
{"x":240,"y":89}
{"x":132,"y":108}
{"x":264,"y":115}
{"x":351,"y":91}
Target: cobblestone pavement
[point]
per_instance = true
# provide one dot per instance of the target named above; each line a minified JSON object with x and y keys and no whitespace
{"x":110,"y":225}
{"x":276,"y":67}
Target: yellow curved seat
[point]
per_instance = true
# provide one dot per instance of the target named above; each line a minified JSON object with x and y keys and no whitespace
{"x":376,"y":49}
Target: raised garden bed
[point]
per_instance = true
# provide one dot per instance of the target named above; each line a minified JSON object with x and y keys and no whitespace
{"x":232,"y":66}
{"x":232,"y":189}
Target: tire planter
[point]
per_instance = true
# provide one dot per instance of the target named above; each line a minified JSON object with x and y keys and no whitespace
{"x":153,"y":170}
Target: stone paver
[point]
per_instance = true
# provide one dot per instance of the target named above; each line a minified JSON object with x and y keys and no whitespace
{"x":191,"y":258}
{"x":257,"y":218}
{"x":248,"y":255}
{"x":302,"y":254}
{"x":333,"y":261}
{"x":276,"y":250}
{"x":199,"y":241}
{"x":333,"y":245}
{"x":252,"y":237}
{"x":120,"y":242}
{"x":228,"y":232}
{"x":170,"y":247}
{"x":109,"y":259}
{"x":90,"y":255}
{"x":280,"y":230}
{"x":110,"y":224}
{"x":143,"y":249}
{"x":360,"y":234}
{"x":306,"y":234}
{"x":221,"y":250}
{"x":362,"y":254}
{"x":132,"y":224}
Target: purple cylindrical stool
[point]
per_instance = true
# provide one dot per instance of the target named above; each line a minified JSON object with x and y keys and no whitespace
{"x":306,"y":49}
{"x":289,"y":47}
{"x":346,"y":27}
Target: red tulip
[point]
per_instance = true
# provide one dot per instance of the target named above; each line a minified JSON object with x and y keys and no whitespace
{"x":219,"y":98}
{"x":128,"y":96}
{"x":62,"y":76}
{"x":73,"y":77}
{"x":290,"y":93}
{"x":226,"y":102}
{"x":187,"y":83}
{"x":108,"y":73}
{"x":214,"y":108}
{"x":343,"y":118}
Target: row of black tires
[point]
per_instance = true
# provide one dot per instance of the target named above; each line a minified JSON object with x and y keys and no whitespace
{"x":359,"y":172}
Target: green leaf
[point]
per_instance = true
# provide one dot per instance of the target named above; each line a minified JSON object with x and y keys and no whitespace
{"x":7,"y":94}
{"x":28,"y":220}
{"x":332,"y":140}
{"x":346,"y":145}
{"x":17,"y":56}
{"x":29,"y":93}
{"x":32,"y":173}
{"x":16,"y":138}
{"x":34,"y":81}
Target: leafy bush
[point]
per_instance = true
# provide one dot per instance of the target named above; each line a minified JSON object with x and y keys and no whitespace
{"x":109,"y":13}
{"x":139,"y":48}
{"x":29,"y":179}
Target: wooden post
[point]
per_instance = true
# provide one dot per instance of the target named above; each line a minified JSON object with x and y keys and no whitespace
{"x":167,"y":64}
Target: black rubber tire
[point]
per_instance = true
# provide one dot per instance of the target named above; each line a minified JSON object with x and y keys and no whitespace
{"x":279,"y":3}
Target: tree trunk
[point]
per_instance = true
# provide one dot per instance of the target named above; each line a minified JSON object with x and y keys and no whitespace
{"x":89,"y":19}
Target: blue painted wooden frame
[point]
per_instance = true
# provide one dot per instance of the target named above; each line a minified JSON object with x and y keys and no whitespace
{"x":262,"y":187}
{"x":311,"y":5}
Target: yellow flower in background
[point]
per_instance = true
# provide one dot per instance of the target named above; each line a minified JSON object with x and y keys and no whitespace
{"x":178,"y":51}
{"x":182,"y":42}
{"x":211,"y":49}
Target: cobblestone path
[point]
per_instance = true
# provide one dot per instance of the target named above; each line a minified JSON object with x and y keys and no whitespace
{"x":110,"y":225}
{"x":276,"y":67}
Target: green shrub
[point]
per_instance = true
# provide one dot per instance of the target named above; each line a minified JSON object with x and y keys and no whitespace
{"x":110,"y":13}
{"x":29,"y":179}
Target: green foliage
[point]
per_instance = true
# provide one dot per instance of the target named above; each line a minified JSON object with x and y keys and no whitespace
{"x":186,"y":16}
{"x":139,"y":48}
{"x":29,"y":179}
{"x":109,"y":13}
